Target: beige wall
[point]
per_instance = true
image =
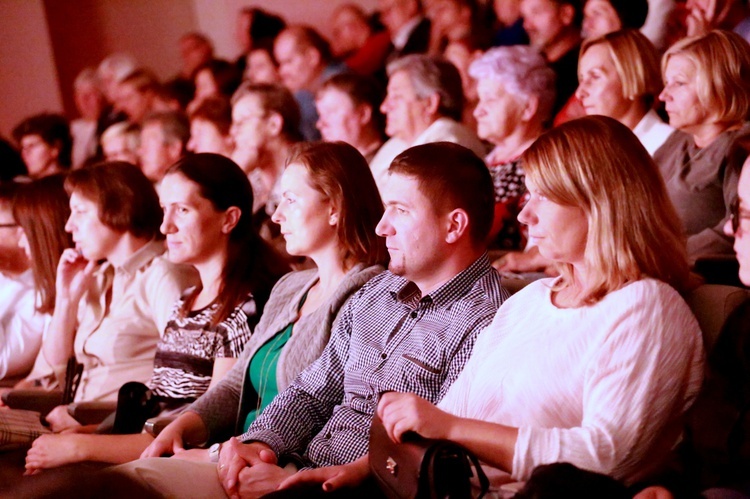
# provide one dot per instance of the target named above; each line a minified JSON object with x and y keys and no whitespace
{"x":28,"y":80}
{"x":44,"y":44}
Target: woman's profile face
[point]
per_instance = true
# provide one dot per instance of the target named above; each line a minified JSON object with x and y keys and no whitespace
{"x":196,"y":231}
{"x":680,"y":95}
{"x":560,"y":232}
{"x":498,"y":111}
{"x":94,"y":240}
{"x":304,"y":214}
{"x":600,"y":87}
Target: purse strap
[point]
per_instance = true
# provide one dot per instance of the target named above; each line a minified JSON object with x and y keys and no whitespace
{"x":465,"y":458}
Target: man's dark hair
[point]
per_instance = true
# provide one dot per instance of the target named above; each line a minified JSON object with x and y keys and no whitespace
{"x":451,"y":176}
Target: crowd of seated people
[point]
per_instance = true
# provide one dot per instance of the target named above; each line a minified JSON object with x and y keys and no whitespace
{"x":589,"y":155}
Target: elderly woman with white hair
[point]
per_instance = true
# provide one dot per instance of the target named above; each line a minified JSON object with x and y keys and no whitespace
{"x":516,"y":92}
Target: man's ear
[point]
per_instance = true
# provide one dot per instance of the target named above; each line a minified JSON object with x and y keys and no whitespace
{"x":312,"y":56}
{"x":458,"y":224}
{"x":433,"y":104}
{"x":175,"y":150}
{"x":530,"y":109}
{"x":231,"y":219}
{"x":364,"y":113}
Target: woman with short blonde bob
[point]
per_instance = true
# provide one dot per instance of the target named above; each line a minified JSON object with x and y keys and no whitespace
{"x":619,"y":77}
{"x":628,"y":356}
{"x":707,"y":98}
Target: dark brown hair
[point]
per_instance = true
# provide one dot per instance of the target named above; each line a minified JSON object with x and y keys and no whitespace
{"x":252,"y":266}
{"x":125,"y":198}
{"x":215,"y":110}
{"x":452,"y":176}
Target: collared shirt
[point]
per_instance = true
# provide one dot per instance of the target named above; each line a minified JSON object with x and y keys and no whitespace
{"x":389,"y":338}
{"x":400,"y":38}
{"x":122,"y":317}
{"x":21,"y":326}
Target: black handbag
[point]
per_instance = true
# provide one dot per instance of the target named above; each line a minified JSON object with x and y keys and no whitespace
{"x":422,"y":468}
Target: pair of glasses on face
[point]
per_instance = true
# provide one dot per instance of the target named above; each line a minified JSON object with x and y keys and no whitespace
{"x":736,"y":216}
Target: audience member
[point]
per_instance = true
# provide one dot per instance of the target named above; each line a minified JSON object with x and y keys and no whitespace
{"x":136,"y":95}
{"x":265,"y":126}
{"x":349,"y":110}
{"x":707,"y":99}
{"x":518,"y":404}
{"x":86,"y":129}
{"x":305,"y":61}
{"x":195,"y":51}
{"x":554,"y":28}
{"x":410,"y":329}
{"x":261,"y":66}
{"x":424,"y":103}
{"x":453,"y":20}
{"x":328,"y":179}
{"x":408,"y":28}
{"x":256,"y":29}
{"x":121,"y":141}
{"x":216,"y":78}
{"x":738,"y":225}
{"x":661,"y":15}
{"x":114,"y":290}
{"x":164,"y":138}
{"x":43,"y":243}
{"x":20,"y":325}
{"x":355,"y":42}
{"x":45,"y":143}
{"x":605,"y":16}
{"x":111,"y":71}
{"x":619,"y":77}
{"x":461,"y":53}
{"x":516,"y":94}
{"x":207,"y":204}
{"x":209,"y":127}
{"x":509,"y":28}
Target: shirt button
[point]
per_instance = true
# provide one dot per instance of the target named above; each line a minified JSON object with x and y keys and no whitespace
{"x":383,"y":355}
{"x":328,"y":435}
{"x":414,"y":315}
{"x":369,"y":396}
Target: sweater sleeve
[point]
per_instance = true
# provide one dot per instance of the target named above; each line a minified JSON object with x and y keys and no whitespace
{"x":638,"y":382}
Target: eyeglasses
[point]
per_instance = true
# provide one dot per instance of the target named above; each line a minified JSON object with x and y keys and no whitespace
{"x":736,"y":216}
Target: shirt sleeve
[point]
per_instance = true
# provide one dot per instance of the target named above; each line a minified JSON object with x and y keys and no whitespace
{"x":21,"y":329}
{"x":637,"y":385}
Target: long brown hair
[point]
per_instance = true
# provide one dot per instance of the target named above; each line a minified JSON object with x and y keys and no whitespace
{"x":41,"y":208}
{"x":252,"y":266}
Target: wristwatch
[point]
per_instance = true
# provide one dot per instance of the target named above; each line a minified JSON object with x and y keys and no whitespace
{"x":213,"y":453}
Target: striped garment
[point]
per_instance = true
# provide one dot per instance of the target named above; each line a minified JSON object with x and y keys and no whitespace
{"x":185,"y":355}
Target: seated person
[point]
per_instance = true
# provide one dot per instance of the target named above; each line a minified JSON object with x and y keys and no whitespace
{"x":27,"y":315}
{"x":619,"y":77}
{"x":121,"y":141}
{"x":628,"y":354}
{"x":209,"y":127}
{"x":45,"y":144}
{"x":409,"y":329}
{"x":708,"y":100}
{"x":356,"y":43}
{"x":349,"y":109}
{"x":115,"y":291}
{"x":207,"y":204}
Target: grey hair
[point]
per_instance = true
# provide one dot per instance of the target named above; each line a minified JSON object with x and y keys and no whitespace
{"x":433,"y":75}
{"x":87,"y":76}
{"x":522,"y":70}
{"x":120,"y":65}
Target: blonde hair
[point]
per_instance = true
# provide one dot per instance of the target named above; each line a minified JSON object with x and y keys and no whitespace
{"x":597,"y":164}
{"x":636,"y":61}
{"x":722,"y":66}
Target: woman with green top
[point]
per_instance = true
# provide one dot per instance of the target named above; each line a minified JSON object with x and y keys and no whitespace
{"x":328,"y":212}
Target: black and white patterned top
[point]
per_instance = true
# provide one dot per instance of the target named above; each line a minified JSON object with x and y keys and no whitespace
{"x":185,"y":354}
{"x":389,"y":338}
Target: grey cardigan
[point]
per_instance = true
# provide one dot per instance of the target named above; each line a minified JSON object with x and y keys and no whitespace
{"x":222,"y":407}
